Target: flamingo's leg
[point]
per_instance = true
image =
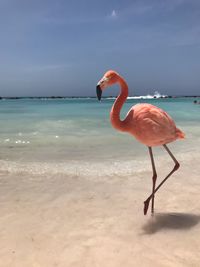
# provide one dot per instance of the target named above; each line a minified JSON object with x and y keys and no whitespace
{"x":176,"y":166}
{"x":154,"y":177}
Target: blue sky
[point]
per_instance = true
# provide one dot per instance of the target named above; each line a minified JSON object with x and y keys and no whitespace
{"x":63,"y":47}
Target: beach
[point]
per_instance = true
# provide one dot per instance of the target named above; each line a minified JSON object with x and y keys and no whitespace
{"x":72,"y":188}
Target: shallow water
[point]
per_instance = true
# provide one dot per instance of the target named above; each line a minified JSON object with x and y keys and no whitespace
{"x":77,"y":133}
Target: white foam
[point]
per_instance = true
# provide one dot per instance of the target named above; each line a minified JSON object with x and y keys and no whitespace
{"x":73,"y":168}
{"x":101,"y":168}
{"x":148,"y":96}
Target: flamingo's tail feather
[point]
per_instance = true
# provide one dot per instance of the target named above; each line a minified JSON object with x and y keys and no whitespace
{"x":180,"y":134}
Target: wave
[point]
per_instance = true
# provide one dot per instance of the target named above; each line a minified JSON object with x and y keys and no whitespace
{"x":154,"y":96}
{"x":74,"y":168}
{"x":93,"y":168}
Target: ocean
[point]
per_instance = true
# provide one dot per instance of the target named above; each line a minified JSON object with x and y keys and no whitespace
{"x":74,"y":135}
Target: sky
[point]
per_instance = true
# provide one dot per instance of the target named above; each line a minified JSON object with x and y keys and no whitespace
{"x":62,"y":47}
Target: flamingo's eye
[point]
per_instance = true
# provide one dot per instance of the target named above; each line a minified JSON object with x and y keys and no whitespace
{"x":108,"y":78}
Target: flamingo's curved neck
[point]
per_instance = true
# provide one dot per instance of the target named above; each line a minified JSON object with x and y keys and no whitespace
{"x":115,"y":111}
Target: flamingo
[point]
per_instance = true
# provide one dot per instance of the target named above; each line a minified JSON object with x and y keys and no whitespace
{"x":149,"y":124}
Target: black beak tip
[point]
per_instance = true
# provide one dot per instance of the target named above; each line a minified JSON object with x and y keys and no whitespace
{"x":99,"y":92}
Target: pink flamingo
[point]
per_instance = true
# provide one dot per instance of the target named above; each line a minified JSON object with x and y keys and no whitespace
{"x":149,"y":124}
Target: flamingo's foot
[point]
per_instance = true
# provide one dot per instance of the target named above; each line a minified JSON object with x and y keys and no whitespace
{"x":146,"y":205}
{"x":152,"y":210}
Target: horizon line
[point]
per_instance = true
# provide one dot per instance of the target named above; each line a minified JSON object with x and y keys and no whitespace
{"x":64,"y":97}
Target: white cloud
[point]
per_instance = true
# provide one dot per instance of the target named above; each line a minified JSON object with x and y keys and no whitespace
{"x":113,"y":14}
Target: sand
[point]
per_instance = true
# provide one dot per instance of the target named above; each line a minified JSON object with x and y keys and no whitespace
{"x":80,"y":221}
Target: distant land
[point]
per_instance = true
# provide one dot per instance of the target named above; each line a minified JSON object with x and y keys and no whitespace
{"x":93,"y":97}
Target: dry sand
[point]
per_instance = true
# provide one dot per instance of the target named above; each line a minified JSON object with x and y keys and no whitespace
{"x":84,"y":221}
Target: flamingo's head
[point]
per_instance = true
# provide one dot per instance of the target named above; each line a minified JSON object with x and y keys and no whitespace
{"x":109,"y":78}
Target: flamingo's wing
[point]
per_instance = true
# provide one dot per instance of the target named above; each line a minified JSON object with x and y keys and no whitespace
{"x":151,"y":125}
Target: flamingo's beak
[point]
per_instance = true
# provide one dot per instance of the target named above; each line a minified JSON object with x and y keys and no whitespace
{"x":99,"y":92}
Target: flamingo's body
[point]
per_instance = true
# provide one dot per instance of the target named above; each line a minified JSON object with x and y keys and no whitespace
{"x":149,"y":124}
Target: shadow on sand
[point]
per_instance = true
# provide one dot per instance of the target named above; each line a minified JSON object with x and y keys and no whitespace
{"x":173,"y":221}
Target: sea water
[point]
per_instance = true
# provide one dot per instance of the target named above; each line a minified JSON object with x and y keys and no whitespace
{"x":73,"y":136}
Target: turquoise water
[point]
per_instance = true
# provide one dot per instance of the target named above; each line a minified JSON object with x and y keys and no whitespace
{"x":79,"y":130}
